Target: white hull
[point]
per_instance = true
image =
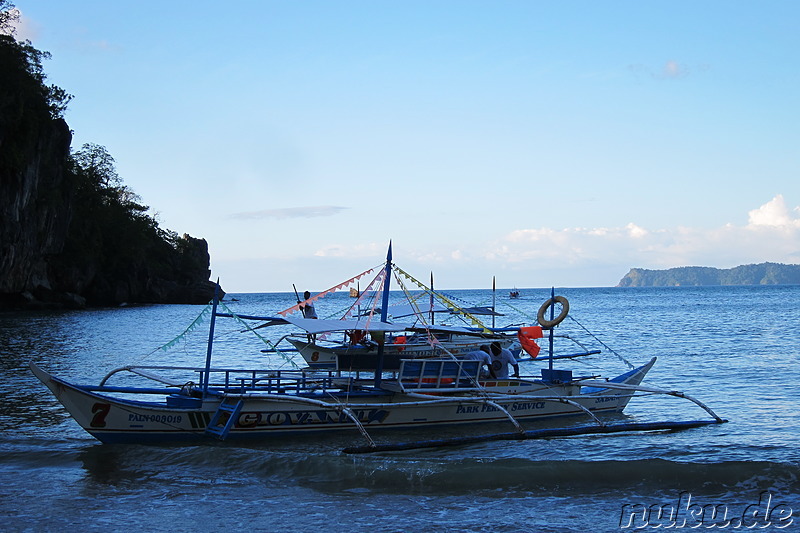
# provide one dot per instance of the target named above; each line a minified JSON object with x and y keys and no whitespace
{"x":264,"y":415}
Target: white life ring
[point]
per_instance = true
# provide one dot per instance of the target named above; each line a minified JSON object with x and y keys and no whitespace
{"x":561,"y":316}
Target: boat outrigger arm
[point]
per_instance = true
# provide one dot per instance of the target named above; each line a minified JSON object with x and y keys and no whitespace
{"x":652,"y":390}
{"x":592,"y":387}
{"x":599,"y":426}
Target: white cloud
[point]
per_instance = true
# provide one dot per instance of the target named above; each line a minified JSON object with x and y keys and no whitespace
{"x":774,"y":213}
{"x":369,"y":250}
{"x":571,"y":257}
{"x":772,"y":234}
{"x":636,"y":232}
{"x":670,"y":70}
{"x":291,"y":212}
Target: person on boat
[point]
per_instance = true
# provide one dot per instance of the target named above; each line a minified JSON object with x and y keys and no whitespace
{"x":308,"y":311}
{"x":308,"y":308}
{"x":481,"y":355}
{"x":501,"y":359}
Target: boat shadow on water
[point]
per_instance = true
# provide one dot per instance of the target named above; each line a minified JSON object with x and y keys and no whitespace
{"x":510,"y":467}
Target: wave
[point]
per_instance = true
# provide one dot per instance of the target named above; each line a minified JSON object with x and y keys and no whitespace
{"x":555,"y":477}
{"x":453,"y":473}
{"x":305,"y":484}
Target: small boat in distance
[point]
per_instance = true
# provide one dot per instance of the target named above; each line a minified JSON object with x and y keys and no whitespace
{"x":514,"y":293}
{"x":207,"y":403}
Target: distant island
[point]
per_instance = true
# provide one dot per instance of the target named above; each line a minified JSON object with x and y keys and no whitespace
{"x":760,"y":274}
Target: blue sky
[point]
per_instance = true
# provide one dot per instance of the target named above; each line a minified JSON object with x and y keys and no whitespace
{"x":545,"y":143}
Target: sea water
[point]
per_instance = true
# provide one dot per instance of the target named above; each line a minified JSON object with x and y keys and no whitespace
{"x":733,"y":348}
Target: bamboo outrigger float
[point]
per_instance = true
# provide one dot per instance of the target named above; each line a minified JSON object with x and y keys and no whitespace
{"x":197,"y":404}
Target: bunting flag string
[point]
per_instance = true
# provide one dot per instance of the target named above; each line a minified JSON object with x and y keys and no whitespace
{"x":449,"y":303}
{"x":376,"y":297}
{"x":196,"y":322}
{"x":523,"y":313}
{"x":363,"y":296}
{"x":324,"y":293}
{"x":432,"y":340}
{"x":264,"y":340}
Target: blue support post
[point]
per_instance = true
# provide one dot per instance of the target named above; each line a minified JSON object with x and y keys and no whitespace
{"x":494,"y":299}
{"x":433,"y":318}
{"x":384,"y":313}
{"x":211,"y":338}
{"x":552,"y":316}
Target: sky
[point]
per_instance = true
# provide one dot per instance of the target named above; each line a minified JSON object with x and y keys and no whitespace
{"x":543,"y":143}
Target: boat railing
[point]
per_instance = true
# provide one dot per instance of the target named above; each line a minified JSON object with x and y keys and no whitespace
{"x":451,"y":374}
{"x":239,"y":381}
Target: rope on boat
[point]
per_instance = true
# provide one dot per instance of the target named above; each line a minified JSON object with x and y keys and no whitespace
{"x":449,"y":303}
{"x":191,"y":327}
{"x":285,"y":357}
{"x":523,"y":313}
{"x":363,"y":296}
{"x":602,"y":343}
{"x":324,"y":293}
{"x":432,"y":340}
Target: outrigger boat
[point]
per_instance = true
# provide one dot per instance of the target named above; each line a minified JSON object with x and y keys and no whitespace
{"x":235,"y":404}
{"x":409,"y":343}
{"x":345,"y":344}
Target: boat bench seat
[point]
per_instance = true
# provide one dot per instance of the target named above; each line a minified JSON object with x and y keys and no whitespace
{"x":447,"y":374}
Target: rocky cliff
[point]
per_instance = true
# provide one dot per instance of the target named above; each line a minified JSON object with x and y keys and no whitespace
{"x":67,"y":241}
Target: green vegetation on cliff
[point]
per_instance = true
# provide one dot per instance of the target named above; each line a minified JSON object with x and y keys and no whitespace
{"x":761,"y":274}
{"x":70,"y":232}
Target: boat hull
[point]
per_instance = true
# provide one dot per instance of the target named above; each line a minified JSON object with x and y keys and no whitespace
{"x":264,"y":416}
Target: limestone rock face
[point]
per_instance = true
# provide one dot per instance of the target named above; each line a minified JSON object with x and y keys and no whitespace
{"x":56,"y":250}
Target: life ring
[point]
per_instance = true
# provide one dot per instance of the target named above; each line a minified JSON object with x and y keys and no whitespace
{"x":561,"y":316}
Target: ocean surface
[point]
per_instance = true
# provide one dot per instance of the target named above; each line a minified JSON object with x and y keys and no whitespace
{"x":736,"y":349}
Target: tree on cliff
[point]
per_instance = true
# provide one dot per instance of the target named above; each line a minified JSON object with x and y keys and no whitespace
{"x":9,"y":16}
{"x":21,"y":65}
{"x":122,"y":253}
{"x":71,"y":232}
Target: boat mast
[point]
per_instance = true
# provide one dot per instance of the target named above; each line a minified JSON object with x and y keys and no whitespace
{"x":214,"y":303}
{"x":384,"y":313}
{"x":431,"y":300}
{"x":494,"y":297}
{"x":552,"y":328}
